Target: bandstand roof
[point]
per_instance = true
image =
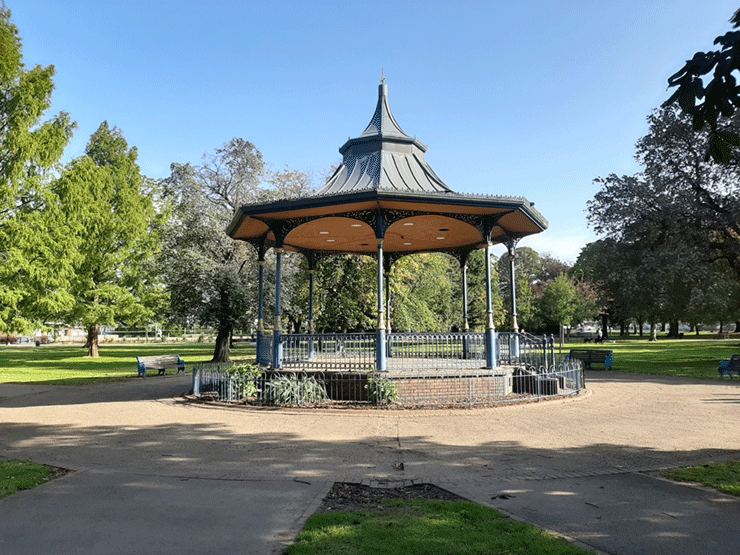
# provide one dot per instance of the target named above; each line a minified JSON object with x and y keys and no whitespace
{"x":385,"y":188}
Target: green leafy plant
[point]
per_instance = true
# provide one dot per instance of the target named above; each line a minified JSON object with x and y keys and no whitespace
{"x":246,"y":375}
{"x":380,"y":390}
{"x":292,"y":391}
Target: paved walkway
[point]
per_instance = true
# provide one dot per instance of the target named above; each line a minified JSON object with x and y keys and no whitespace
{"x":155,"y":474}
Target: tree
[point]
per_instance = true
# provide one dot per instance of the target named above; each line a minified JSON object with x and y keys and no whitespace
{"x":109,"y":213}
{"x":677,"y":197}
{"x":533,"y":273}
{"x":477,"y":292}
{"x":565,"y":302}
{"x":558,"y":303}
{"x":346,"y":294}
{"x":426,"y":293}
{"x":211,"y":277}
{"x":721,"y":96}
{"x":34,"y":249}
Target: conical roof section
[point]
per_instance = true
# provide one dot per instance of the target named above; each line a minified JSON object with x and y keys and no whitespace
{"x":383,"y":122}
{"x":384,"y":158}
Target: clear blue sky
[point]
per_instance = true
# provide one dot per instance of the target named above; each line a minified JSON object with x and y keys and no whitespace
{"x":532,"y":99}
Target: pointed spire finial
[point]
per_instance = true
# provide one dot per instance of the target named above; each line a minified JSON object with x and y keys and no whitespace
{"x":382,"y":77}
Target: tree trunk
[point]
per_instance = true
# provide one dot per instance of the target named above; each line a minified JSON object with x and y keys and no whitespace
{"x":92,"y":341}
{"x":221,"y":352}
{"x":673,"y":331}
{"x":605,"y":326}
{"x":653,"y":332}
{"x":737,"y":327}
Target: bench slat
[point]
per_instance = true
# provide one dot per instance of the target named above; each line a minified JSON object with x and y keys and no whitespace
{"x":161,"y":363}
{"x":590,"y":356}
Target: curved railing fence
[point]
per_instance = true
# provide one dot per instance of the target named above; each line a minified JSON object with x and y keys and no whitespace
{"x":405,"y":352}
{"x":441,"y":389}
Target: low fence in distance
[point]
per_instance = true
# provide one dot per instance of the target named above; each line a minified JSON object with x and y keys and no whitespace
{"x":472,"y":388}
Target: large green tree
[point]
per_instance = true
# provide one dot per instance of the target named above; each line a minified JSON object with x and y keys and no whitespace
{"x":676,"y":198}
{"x":211,"y":278}
{"x":108,"y":210}
{"x":34,"y":248}
{"x":426,"y":294}
{"x":670,"y":221}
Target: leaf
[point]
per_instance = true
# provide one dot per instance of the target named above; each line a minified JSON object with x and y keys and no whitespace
{"x":719,"y":149}
{"x":729,"y":137}
{"x":698,"y":120}
{"x":687,"y":101}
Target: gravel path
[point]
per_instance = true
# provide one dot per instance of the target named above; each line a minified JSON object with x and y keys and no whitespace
{"x":624,"y":422}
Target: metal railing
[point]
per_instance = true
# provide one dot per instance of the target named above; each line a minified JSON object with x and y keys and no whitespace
{"x":524,"y":349}
{"x":346,"y":352}
{"x":405,"y":352}
{"x":424,"y":352}
{"x":421,"y":390}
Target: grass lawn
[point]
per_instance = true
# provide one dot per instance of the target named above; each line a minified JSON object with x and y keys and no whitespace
{"x":722,"y":476}
{"x":70,"y":365}
{"x":687,"y":358}
{"x":438,"y":527}
{"x":17,"y":475}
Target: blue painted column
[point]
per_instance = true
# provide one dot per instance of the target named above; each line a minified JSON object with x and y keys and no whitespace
{"x":389,"y":351}
{"x":380,"y":347}
{"x":490,"y":328}
{"x":466,"y":322}
{"x":260,"y":310}
{"x":311,"y":327}
{"x":277,"y":340}
{"x":514,"y":344}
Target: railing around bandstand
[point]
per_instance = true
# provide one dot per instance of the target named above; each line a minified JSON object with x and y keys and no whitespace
{"x":417,"y":352}
{"x":525,"y":349}
{"x":347,"y":352}
{"x":438,"y":389}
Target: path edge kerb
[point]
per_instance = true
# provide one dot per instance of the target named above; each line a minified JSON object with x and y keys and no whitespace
{"x":192,"y":400}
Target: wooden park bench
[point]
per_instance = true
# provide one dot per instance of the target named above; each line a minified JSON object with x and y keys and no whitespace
{"x":590,"y":356}
{"x":730,"y":367}
{"x":161,"y":363}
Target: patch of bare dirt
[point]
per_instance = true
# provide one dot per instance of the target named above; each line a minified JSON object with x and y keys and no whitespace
{"x":357,"y":497}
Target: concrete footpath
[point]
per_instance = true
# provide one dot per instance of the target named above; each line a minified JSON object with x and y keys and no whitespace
{"x":156,"y":474}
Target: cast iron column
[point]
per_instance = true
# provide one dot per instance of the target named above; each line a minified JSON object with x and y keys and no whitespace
{"x":389,"y":351}
{"x":466,"y":322}
{"x":277,"y":339}
{"x":514,"y":344}
{"x":260,"y":309}
{"x":380,"y":348}
{"x":311,"y":328}
{"x":490,"y":328}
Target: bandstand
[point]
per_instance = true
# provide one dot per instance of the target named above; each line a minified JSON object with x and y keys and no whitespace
{"x":385,"y":201}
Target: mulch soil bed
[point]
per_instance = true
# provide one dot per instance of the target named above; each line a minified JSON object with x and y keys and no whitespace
{"x":357,"y":497}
